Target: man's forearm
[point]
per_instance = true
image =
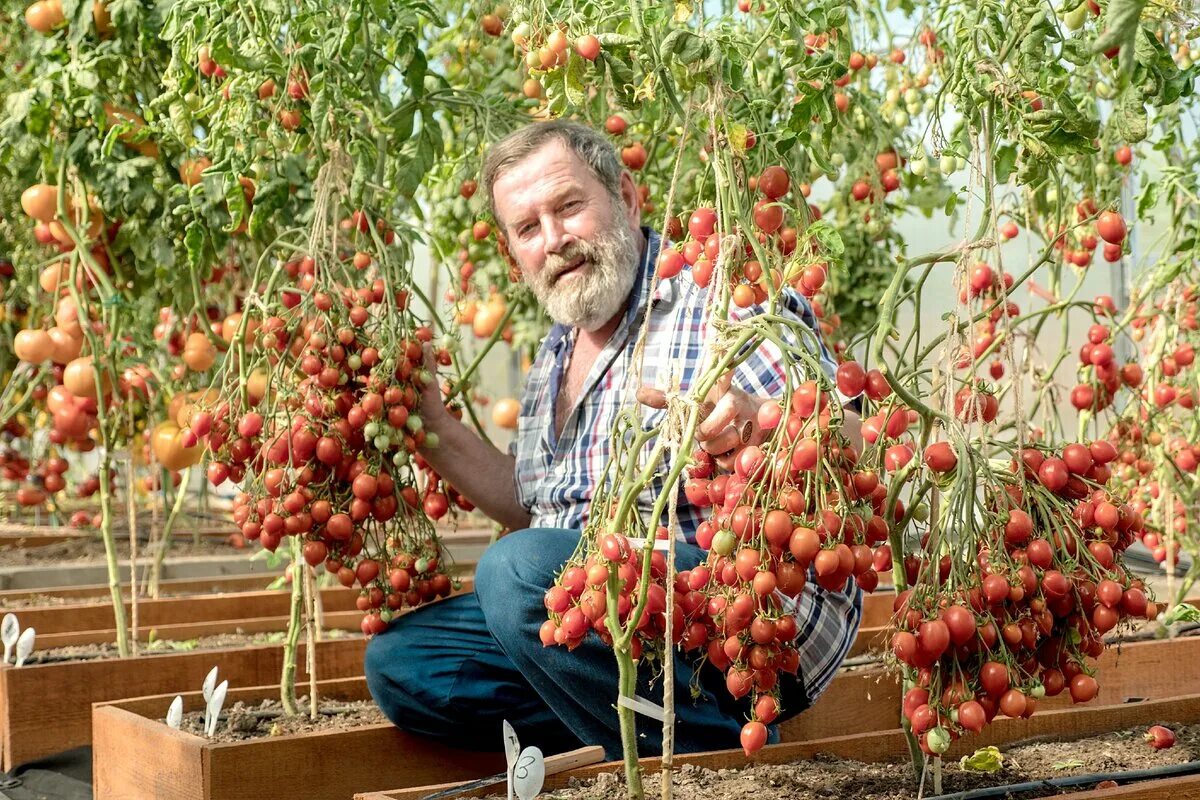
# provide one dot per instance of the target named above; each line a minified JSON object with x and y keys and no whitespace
{"x":483,"y":474}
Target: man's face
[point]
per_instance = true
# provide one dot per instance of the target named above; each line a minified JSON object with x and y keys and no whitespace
{"x":574,"y":242}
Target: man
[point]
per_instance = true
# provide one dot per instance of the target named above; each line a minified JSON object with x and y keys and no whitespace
{"x":454,"y":670}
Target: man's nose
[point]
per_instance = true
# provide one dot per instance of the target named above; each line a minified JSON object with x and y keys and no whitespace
{"x":555,"y":235}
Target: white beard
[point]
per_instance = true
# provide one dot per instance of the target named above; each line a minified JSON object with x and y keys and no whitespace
{"x":593,"y":296}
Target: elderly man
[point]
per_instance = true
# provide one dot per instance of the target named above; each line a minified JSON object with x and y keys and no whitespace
{"x":454,"y":670}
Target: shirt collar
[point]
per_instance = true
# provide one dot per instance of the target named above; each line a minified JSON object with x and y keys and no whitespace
{"x":664,"y":290}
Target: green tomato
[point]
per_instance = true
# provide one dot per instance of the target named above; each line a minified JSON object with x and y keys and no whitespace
{"x":919,"y":168}
{"x":1102,"y":170}
{"x":837,"y":159}
{"x":431,"y":441}
{"x":413,"y":423}
{"x":938,"y":740}
{"x":1104,"y":91}
{"x":1075,"y":18}
{"x":921,"y":512}
{"x":382,"y":441}
{"x":874,"y":227}
{"x":354,"y":361}
{"x":946,"y":164}
{"x":900,"y":119}
{"x":1038,"y":692}
{"x":371,"y":430}
{"x":892,"y":96}
{"x":960,"y":162}
{"x":400,"y":457}
{"x":912,"y":95}
{"x":914,"y":107}
{"x":422,"y":565}
{"x":723,"y":543}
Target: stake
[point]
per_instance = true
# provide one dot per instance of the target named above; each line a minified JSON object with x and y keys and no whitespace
{"x":156,"y":573}
{"x":287,"y":681}
{"x":310,"y":627}
{"x":131,"y":511}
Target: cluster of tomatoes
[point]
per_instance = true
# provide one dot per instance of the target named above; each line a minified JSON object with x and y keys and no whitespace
{"x":797,"y":509}
{"x":750,"y":280}
{"x":1023,"y":622}
{"x":1101,"y":377}
{"x":325,"y":440}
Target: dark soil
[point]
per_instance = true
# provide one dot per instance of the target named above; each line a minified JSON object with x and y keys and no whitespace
{"x":831,"y":778}
{"x":242,"y":721}
{"x":159,"y":646}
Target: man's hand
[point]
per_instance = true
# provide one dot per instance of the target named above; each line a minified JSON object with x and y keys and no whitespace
{"x":729,"y":418}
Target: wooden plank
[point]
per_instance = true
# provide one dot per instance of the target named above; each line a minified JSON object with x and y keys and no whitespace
{"x":185,"y":631}
{"x":561,"y":762}
{"x":347,"y":620}
{"x":885,"y":746}
{"x":47,"y":707}
{"x":1162,"y":789}
{"x":165,"y":764}
{"x":172,"y":610}
{"x":1149,"y":670}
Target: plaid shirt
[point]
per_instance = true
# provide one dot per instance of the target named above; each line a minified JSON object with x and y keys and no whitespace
{"x":556,"y":475}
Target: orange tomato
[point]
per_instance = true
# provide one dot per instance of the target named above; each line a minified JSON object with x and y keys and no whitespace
{"x":33,"y":345}
{"x":167,"y":444}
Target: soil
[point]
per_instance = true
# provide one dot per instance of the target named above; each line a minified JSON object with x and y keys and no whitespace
{"x":828,"y":778}
{"x":89,"y":549}
{"x":159,"y":646}
{"x":244,"y":721}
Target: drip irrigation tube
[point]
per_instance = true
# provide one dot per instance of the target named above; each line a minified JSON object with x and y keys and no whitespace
{"x":1132,"y":776}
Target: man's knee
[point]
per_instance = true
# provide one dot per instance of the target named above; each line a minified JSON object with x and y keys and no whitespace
{"x":529,"y":556}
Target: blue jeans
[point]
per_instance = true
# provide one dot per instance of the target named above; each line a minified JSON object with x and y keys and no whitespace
{"x":455,"y":669}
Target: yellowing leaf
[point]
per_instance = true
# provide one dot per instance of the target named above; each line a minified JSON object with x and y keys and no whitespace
{"x":985,"y":759}
{"x":646,"y":90}
{"x":683,"y":11}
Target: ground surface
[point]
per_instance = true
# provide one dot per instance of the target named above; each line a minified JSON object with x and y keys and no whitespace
{"x":244,"y":721}
{"x":829,"y":778}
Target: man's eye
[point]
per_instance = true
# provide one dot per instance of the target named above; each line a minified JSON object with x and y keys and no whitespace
{"x":571,"y":204}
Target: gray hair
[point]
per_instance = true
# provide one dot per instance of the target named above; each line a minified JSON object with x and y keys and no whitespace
{"x":591,"y":146}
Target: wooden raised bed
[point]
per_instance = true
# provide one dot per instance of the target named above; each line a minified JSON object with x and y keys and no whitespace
{"x":856,"y":705}
{"x":886,"y":746}
{"x":1149,"y":670}
{"x":46,"y":708}
{"x":137,"y":757}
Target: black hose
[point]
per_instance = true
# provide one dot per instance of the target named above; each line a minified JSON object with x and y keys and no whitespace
{"x":1169,"y":771}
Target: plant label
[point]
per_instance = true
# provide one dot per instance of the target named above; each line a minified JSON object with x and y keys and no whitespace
{"x":25,"y":645}
{"x":213,"y":710}
{"x":529,"y":774}
{"x":10,"y":629}
{"x":210,"y":683}
{"x":512,"y":750}
{"x":175,"y":713}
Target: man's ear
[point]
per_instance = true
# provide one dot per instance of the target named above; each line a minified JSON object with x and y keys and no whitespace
{"x":629,"y":194}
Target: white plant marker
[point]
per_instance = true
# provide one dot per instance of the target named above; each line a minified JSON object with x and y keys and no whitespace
{"x":213,"y":710}
{"x":512,"y":750}
{"x":25,"y":645}
{"x":210,"y":683}
{"x":529,"y":774}
{"x":10,"y":629}
{"x":175,"y":713}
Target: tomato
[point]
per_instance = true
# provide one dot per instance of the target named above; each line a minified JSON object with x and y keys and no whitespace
{"x":702,"y":223}
{"x":166,"y":442}
{"x":1012,"y":703}
{"x":1159,"y":737}
{"x":753,"y":737}
{"x":615,"y":125}
{"x":993,"y":677}
{"x":1110,"y":226}
{"x":940,"y":457}
{"x":1083,"y":688}
{"x":960,"y":623}
{"x":1053,"y":474}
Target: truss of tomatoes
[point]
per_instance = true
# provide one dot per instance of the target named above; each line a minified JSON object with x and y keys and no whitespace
{"x":1048,"y":584}
{"x":333,"y":463}
{"x":797,"y":509}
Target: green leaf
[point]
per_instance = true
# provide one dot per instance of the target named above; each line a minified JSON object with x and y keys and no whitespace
{"x":1074,"y":763}
{"x":951,"y":204}
{"x":573,"y":80}
{"x":1006,"y":161}
{"x":17,"y":106}
{"x":985,"y":759}
{"x":1129,"y":118}
{"x":1181,"y":613}
{"x":1120,"y":26}
{"x":1148,"y":199}
{"x":193,"y":242}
